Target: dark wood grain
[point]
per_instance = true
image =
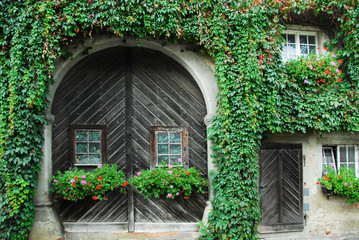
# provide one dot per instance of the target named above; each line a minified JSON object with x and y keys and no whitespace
{"x":281,"y":187}
{"x":130,"y":90}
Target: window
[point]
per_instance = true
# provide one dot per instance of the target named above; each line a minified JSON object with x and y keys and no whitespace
{"x":341,"y":156}
{"x":168,"y":145}
{"x":88,"y":145}
{"x":298,"y":43}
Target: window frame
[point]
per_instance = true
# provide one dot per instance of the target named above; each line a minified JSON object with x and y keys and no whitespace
{"x":336,"y":157}
{"x":154,"y":130}
{"x":88,"y":128}
{"x":297,"y":34}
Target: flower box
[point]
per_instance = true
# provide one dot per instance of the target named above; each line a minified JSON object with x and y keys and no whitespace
{"x":74,"y":185}
{"x":327,"y":192}
{"x":169,"y":181}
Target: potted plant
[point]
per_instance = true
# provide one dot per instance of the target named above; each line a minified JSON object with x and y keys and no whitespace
{"x":77,"y":184}
{"x":344,"y":183}
{"x":314,"y":72}
{"x":169,"y":181}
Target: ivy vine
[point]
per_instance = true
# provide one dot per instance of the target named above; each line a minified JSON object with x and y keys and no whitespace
{"x":255,"y":95}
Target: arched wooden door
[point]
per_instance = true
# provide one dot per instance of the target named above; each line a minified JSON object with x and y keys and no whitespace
{"x":124,"y":92}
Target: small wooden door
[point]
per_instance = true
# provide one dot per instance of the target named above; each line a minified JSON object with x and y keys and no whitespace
{"x":281,"y":187}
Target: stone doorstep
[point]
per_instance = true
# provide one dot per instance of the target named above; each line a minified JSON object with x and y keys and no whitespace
{"x":131,"y":236}
{"x":117,"y":231}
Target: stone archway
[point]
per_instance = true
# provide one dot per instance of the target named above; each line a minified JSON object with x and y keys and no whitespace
{"x":199,"y":68}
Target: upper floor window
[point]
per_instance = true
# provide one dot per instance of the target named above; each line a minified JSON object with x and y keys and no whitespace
{"x":168,"y":145}
{"x":298,"y":43}
{"x":88,"y":144}
{"x":341,"y":156}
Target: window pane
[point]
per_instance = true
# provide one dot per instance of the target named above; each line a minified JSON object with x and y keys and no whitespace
{"x":311,"y":39}
{"x":351,"y":154}
{"x":94,"y":148}
{"x":174,"y":159}
{"x":162,"y":148}
{"x":162,"y":159}
{"x":285,"y":49}
{"x":352,"y":166}
{"x":81,"y":136}
{"x":95,"y":159}
{"x":291,"y":38}
{"x":175,"y":149}
{"x":94,"y":136}
{"x":328,"y":158}
{"x":303,"y":39}
{"x":291,"y":49}
{"x":175,"y":138}
{"x":162,"y":138}
{"x":343,"y":155}
{"x":81,"y":159}
{"x":304,"y":50}
{"x":312,"y":49}
{"x":81,"y":148}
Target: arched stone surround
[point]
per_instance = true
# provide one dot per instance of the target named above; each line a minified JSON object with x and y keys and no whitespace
{"x":47,"y":225}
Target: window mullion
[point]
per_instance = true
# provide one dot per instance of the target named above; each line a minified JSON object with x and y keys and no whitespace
{"x":356,"y":158}
{"x":338,"y":157}
{"x":88,"y":147}
{"x":297,"y":44}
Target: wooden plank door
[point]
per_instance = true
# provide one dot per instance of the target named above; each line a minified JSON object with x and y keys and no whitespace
{"x":164,"y":94}
{"x":129,"y":90}
{"x":281,"y":187}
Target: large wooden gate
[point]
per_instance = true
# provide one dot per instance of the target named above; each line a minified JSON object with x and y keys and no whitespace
{"x":128,"y":90}
{"x":281,"y":187}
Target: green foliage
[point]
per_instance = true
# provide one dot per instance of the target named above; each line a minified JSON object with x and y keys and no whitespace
{"x":169,"y":181}
{"x":255,"y":93}
{"x":343,"y":182}
{"x":320,"y":92}
{"x":77,"y":184}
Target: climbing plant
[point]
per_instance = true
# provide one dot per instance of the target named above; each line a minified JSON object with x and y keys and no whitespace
{"x":256,"y":95}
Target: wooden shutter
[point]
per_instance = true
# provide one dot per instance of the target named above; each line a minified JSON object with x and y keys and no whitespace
{"x":281,"y":188}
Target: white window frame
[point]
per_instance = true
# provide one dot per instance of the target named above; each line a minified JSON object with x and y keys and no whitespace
{"x":297,"y":34}
{"x":336,"y":157}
